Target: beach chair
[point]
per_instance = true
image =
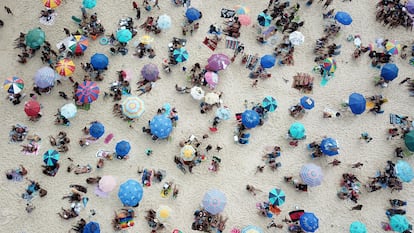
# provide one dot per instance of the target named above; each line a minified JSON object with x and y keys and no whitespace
{"x":232,"y":43}
{"x":211,"y":44}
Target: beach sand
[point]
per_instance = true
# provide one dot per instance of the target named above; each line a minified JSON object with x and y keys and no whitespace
{"x":238,"y":161}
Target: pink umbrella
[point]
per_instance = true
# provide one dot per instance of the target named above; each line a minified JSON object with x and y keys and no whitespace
{"x":245,"y":20}
{"x":218,"y":62}
{"x":107,"y":183}
{"x":211,"y":78}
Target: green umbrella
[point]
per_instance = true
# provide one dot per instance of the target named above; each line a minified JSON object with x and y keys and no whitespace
{"x":35,"y":38}
{"x":409,"y":140}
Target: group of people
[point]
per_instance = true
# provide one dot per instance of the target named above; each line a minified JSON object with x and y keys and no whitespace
{"x":385,"y":179}
{"x":206,"y":222}
{"x":392,"y":13}
{"x":350,"y":187}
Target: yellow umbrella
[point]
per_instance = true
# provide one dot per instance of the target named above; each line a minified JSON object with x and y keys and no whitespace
{"x":52,"y":3}
{"x":211,"y":98}
{"x":65,"y":67}
{"x":146,"y":39}
{"x":163,"y":213}
{"x":188,"y":153}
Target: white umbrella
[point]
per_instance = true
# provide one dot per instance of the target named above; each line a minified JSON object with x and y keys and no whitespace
{"x":296,"y":38}
{"x":211,"y":98}
{"x":68,"y":110}
{"x":164,"y":22}
{"x":197,"y":93}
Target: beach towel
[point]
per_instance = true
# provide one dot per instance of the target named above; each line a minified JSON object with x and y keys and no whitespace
{"x":84,"y":106}
{"x":227,"y":13}
{"x":396,"y":119}
{"x":232,"y":43}
{"x":251,"y":65}
{"x":210,"y":44}
{"x":35,"y":152}
{"x":109,"y":138}
{"x":126,"y":222}
{"x":295,"y":215}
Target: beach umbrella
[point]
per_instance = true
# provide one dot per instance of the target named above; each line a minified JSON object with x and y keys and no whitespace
{"x":218,"y":61}
{"x":214,"y":201}
{"x":404,"y":171}
{"x":51,"y":157}
{"x":389,"y":71}
{"x":133,"y":107}
{"x":107,"y":183}
{"x":13,"y":85}
{"x":91,"y":227}
{"x":211,"y":98}
{"x":51,"y":3}
{"x":123,"y":35}
{"x":180,"y":55}
{"x":343,"y":18}
{"x":223,"y":113}
{"x":150,"y":72}
{"x":35,"y":38}
{"x":268,"y":61}
{"x":79,"y":43}
{"x":329,"y":146}
{"x":32,"y":108}
{"x":211,"y":78}
{"x":269,"y":104}
{"x":250,"y":118}
{"x":163,"y":213}
{"x":252,"y":229}
{"x":68,"y":110}
{"x":392,"y":47}
{"x":307,"y":102}
{"x":130,"y":193}
{"x":187,"y":153}
{"x":122,"y":148}
{"x":161,"y":126}
{"x":197,"y":93}
{"x":45,"y":77}
{"x":357,"y":227}
{"x":245,"y":20}
{"x":97,"y":129}
{"x":89,"y":3}
{"x":296,"y":38}
{"x":297,"y":130}
{"x":311,"y":174}
{"x":309,"y":222}
{"x":277,"y":197}
{"x":409,"y":140}
{"x":87,"y":92}
{"x":164,"y":21}
{"x":264,"y":19}
{"x":329,"y":65}
{"x":146,"y":39}
{"x":192,"y":14}
{"x":241,"y":10}
{"x":99,"y":61}
{"x":399,"y":223}
{"x":410,"y":6}
{"x":357,"y":103}
{"x":65,"y":67}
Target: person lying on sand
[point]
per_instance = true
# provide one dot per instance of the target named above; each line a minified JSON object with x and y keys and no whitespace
{"x":252,"y":189}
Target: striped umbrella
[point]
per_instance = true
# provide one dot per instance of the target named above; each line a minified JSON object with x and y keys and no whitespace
{"x":180,"y":55}
{"x":51,"y":157}
{"x":264,"y":19}
{"x":241,"y":10}
{"x":79,"y":44}
{"x":51,"y":3}
{"x":45,"y":77}
{"x":65,"y":67}
{"x":32,"y":108}
{"x":133,"y":107}
{"x":392,"y":47}
{"x":277,"y":197}
{"x":214,"y":201}
{"x":13,"y":85}
{"x":311,"y":174}
{"x":269,"y":103}
{"x":252,"y":229}
{"x":329,"y":65}
{"x":87,"y":92}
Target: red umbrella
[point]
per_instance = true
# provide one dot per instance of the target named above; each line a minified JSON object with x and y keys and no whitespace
{"x":32,"y":108}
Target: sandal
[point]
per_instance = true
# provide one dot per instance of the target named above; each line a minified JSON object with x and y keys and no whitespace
{"x":83,"y":169}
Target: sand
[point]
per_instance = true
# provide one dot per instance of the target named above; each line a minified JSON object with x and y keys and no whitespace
{"x":238,"y":161}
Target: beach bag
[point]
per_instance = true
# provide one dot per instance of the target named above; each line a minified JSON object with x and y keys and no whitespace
{"x":232,"y":43}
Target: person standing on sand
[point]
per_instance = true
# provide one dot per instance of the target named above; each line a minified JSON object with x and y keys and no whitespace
{"x":156,"y":5}
{"x":8,"y":10}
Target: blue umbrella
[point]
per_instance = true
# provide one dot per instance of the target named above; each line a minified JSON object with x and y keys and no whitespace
{"x":130,"y":193}
{"x":89,"y":3}
{"x":329,"y":146}
{"x":357,"y":103}
{"x":399,"y":223}
{"x":357,"y":227}
{"x":269,"y":103}
{"x":99,"y":61}
{"x":51,"y":157}
{"x":343,"y":18}
{"x":252,"y":229}
{"x":297,"y":130}
{"x":223,"y":113}
{"x":389,"y":71}
{"x":97,"y":129}
{"x":214,"y":201}
{"x":277,"y":197}
{"x":307,"y":102}
{"x":161,"y":126}
{"x":91,"y":227}
{"x":309,"y":222}
{"x":124,"y":35}
{"x":404,"y":171}
{"x":264,"y":19}
{"x":122,"y":148}
{"x":268,"y":61}
{"x":250,"y":118}
{"x":192,"y":14}
{"x":45,"y":77}
{"x":180,"y":55}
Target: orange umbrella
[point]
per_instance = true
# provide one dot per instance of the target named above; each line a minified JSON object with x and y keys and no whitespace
{"x":51,"y":3}
{"x":65,"y":67}
{"x":32,"y":108}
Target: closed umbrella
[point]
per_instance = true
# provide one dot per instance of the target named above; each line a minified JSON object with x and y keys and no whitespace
{"x":245,"y":20}
{"x":65,"y":67}
{"x":164,"y":21}
{"x":399,"y":223}
{"x":296,"y":38}
{"x":277,"y":197}
{"x":404,"y":171}
{"x":99,"y":61}
{"x":211,"y":98}
{"x":180,"y":55}
{"x":214,"y":201}
{"x":91,"y":227}
{"x":35,"y":38}
{"x":389,"y":71}
{"x":211,"y":78}
{"x":122,"y":148}
{"x":78,"y":44}
{"x":107,"y":183}
{"x":307,"y":102}
{"x":268,"y":61}
{"x":197,"y":93}
{"x":97,"y":129}
{"x":188,"y":153}
{"x":223,"y":113}
{"x":252,"y":229}
{"x":269,"y":104}
{"x":150,"y":72}
{"x":329,"y":146}
{"x":218,"y":61}
{"x":89,"y":3}
{"x":357,"y":103}
{"x":130,"y":193}
{"x":343,"y":18}
{"x":133,"y":107}
{"x":123,"y":35}
{"x":192,"y":14}
{"x":409,"y":140}
{"x":87,"y":92}
{"x":13,"y":85}
{"x":161,"y":126}
{"x":163,"y":213}
{"x":68,"y":110}
{"x":410,"y":6}
{"x":309,"y":222}
{"x":297,"y":130}
{"x":311,"y":174}
{"x":45,"y":77}
{"x":32,"y":108}
{"x":51,"y":3}
{"x":51,"y":157}
{"x":250,"y":119}
{"x":264,"y":19}
{"x":357,"y":227}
